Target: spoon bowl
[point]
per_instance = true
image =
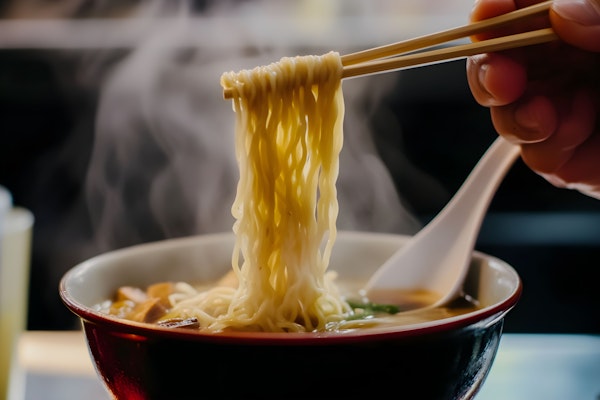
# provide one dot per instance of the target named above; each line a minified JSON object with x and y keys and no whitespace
{"x":437,"y":258}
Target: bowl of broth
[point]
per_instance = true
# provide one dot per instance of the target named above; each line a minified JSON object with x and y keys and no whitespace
{"x":433,"y":353}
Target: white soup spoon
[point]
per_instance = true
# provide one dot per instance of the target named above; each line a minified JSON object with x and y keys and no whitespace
{"x":437,"y":258}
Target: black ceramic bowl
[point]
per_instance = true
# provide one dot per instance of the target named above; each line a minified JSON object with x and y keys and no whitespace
{"x":443,"y":359}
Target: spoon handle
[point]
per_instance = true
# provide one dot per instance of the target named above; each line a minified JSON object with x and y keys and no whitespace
{"x":437,"y":257}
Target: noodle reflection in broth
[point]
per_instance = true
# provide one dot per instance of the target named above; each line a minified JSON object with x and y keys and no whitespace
{"x":288,"y":136}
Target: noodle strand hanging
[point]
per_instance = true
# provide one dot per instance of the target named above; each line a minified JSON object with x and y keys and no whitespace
{"x":288,"y":137}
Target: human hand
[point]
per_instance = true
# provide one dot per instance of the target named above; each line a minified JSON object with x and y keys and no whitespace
{"x":546,"y":98}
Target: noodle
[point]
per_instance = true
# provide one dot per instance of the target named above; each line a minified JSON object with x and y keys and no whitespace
{"x":288,"y":136}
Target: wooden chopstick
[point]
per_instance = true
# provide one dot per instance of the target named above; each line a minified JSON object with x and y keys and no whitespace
{"x":433,"y":39}
{"x":450,"y":53}
{"x":393,"y":56}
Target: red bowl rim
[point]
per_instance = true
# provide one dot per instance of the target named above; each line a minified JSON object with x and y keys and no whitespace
{"x":483,"y":317}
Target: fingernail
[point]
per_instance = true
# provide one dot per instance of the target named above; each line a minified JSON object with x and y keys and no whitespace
{"x":584,"y":12}
{"x":483,"y":70}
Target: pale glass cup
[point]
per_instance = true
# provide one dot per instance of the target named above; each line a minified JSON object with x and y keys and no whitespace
{"x":16,"y":225}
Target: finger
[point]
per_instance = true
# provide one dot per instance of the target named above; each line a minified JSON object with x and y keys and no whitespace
{"x":577,"y":23}
{"x":484,"y":9}
{"x":582,"y":171}
{"x":575,"y":125}
{"x":495,"y":79}
{"x":529,"y":120}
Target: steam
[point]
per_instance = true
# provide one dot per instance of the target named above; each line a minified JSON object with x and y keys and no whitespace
{"x":163,"y":160}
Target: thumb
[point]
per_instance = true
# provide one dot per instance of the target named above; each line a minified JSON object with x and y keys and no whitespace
{"x":577,"y":22}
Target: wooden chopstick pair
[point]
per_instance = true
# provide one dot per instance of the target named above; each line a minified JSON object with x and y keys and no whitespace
{"x":387,"y":58}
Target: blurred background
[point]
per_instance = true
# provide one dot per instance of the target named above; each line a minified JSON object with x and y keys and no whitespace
{"x":113,"y":131}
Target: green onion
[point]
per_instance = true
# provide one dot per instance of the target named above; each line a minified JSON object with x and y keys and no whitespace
{"x":369,"y":309}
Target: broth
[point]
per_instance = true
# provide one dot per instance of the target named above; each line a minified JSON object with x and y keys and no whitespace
{"x":393,"y":308}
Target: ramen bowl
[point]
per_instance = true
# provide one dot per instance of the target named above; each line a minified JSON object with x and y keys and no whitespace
{"x":445,"y":358}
